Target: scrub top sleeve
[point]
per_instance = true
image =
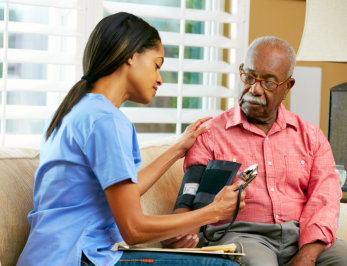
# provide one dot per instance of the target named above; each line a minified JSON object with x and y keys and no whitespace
{"x":108,"y":150}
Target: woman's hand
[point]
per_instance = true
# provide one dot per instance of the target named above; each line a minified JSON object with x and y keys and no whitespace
{"x":191,"y":133}
{"x":152,"y":172}
{"x":226,"y":200}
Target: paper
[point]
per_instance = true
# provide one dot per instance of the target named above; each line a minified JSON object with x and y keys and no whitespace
{"x":211,"y":250}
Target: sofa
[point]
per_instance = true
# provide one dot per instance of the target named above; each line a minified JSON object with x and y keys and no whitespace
{"x":16,"y":187}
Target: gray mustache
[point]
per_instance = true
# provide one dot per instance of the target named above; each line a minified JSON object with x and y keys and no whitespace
{"x":248,"y":97}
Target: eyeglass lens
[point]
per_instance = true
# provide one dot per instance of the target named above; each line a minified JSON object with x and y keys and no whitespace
{"x":250,"y":80}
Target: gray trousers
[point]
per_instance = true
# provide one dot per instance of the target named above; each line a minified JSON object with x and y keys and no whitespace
{"x":272,"y":244}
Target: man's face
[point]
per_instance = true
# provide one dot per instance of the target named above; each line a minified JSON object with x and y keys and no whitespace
{"x":271,"y":64}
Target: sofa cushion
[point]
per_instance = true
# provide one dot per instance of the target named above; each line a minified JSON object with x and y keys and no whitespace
{"x":18,"y":167}
{"x":161,"y":197}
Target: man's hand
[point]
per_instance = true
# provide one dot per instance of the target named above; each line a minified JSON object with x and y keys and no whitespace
{"x":186,"y":241}
{"x":182,"y":241}
{"x":308,"y":254}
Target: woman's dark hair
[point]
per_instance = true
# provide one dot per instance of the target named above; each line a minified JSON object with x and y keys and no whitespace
{"x":114,"y":40}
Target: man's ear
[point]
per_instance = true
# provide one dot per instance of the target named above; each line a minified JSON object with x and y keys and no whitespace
{"x":290,"y":83}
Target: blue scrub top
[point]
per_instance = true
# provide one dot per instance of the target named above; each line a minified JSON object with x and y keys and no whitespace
{"x":94,"y":148}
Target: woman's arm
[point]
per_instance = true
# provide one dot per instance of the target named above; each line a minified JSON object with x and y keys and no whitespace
{"x":135,"y":227}
{"x":189,"y":240}
{"x":152,"y":172}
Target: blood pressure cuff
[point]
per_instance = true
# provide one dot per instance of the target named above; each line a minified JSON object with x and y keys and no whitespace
{"x":189,"y":186}
{"x":217,"y":174}
{"x":201,"y":183}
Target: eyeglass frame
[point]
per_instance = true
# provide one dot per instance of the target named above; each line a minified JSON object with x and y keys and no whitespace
{"x":260,"y":80}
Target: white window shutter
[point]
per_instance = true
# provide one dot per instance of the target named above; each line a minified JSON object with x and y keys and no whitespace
{"x":212,"y":66}
{"x":42,"y":43}
{"x":41,"y":55}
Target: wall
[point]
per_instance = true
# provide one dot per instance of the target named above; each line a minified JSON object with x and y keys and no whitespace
{"x":285,"y":19}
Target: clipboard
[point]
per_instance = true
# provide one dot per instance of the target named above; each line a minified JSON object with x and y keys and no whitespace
{"x":229,"y":250}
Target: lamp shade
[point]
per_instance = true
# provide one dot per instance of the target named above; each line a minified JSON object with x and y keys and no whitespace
{"x":325,"y":31}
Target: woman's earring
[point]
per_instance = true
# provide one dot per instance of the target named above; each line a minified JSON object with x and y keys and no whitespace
{"x":130,"y":62}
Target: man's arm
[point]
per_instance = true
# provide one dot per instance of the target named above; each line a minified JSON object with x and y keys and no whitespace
{"x":318,"y":222}
{"x":308,"y":254}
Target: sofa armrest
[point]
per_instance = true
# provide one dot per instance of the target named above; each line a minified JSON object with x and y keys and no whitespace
{"x":342,"y":228}
{"x":17,"y":170}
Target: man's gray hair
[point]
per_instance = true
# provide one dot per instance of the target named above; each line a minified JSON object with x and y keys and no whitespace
{"x":273,"y":41}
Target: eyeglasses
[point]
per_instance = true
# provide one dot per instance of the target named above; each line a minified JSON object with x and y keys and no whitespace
{"x":266,"y":84}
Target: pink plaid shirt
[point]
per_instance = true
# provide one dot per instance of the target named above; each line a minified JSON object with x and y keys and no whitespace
{"x":296,"y":180}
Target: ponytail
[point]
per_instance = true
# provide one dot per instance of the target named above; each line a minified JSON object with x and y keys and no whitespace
{"x":76,"y":93}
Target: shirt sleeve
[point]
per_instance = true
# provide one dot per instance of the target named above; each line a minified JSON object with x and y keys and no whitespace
{"x":201,"y":152}
{"x":318,"y":220}
{"x":108,"y":150}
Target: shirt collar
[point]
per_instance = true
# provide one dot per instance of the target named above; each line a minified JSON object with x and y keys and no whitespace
{"x":286,"y":118}
{"x":237,"y":117}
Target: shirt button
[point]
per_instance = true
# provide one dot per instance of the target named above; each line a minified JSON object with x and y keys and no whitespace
{"x":302,"y":162}
{"x":276,"y":216}
{"x":234,"y":160}
{"x":269,"y":163}
{"x":272,"y":189}
{"x":266,"y":138}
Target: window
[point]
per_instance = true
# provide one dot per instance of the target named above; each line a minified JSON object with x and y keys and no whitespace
{"x":203,"y":42}
{"x":41,"y":46}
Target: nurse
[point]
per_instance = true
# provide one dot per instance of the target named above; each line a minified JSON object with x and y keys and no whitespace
{"x":87,"y":187}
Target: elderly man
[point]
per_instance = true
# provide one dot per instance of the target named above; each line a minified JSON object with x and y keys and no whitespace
{"x":292,"y":206}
